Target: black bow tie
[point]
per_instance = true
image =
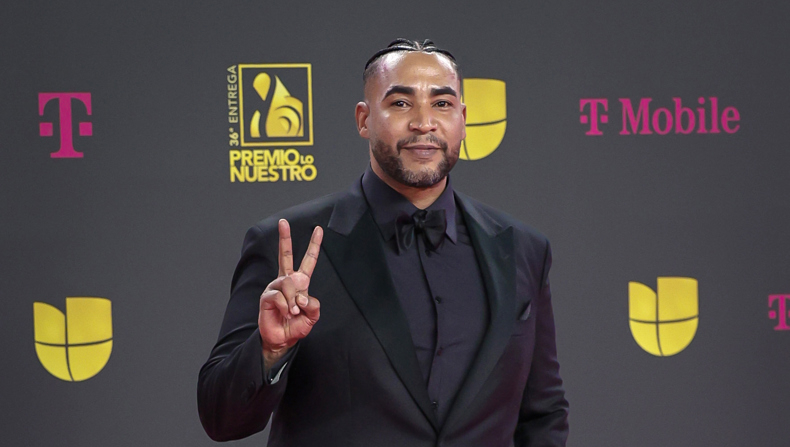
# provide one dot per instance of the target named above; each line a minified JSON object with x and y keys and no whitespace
{"x":430,"y":224}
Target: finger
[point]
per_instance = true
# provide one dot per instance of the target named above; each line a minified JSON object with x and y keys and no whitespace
{"x":311,"y":256}
{"x":286,"y":257}
{"x":286,"y":285}
{"x":275,"y":300}
{"x":311,"y":307}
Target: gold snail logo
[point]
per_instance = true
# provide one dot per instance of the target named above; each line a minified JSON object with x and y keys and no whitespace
{"x":664,"y":322}
{"x":286,"y":113}
{"x":275,"y":104}
{"x":486,"y":117}
{"x":75,"y":346}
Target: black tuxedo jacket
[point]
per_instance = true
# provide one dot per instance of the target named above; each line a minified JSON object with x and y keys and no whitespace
{"x":355,"y":380}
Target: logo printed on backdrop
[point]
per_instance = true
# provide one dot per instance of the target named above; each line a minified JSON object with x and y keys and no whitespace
{"x":664,"y":322}
{"x":780,"y":313}
{"x":75,"y":346}
{"x":270,"y":112}
{"x":65,"y":122}
{"x":707,"y":118}
{"x":486,"y":117}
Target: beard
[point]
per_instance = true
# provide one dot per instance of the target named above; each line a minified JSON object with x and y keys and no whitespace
{"x":392,"y":165}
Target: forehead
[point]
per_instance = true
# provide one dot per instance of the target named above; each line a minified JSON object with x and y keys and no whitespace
{"x":413,"y":69}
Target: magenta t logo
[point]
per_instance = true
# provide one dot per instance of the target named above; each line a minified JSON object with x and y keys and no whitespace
{"x":782,"y":314}
{"x":65,"y":125}
{"x":593,"y":118}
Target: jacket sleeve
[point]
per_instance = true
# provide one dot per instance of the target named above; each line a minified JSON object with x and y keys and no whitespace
{"x":235,"y":396}
{"x":543,"y":420}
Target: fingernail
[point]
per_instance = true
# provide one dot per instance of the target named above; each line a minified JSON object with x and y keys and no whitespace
{"x":295,"y":309}
{"x":302,"y":300}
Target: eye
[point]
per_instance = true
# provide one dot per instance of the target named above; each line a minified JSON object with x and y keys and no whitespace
{"x":443,"y":104}
{"x":400,"y":103}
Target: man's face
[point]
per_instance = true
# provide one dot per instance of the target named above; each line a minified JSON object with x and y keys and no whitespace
{"x":413,"y":117}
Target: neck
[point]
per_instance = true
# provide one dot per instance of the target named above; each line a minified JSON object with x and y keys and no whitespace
{"x":420,"y":197}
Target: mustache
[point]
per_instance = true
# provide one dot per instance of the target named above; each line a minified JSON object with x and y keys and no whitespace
{"x":422,"y":139}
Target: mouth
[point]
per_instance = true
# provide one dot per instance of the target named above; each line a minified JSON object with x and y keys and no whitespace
{"x":422,"y":147}
{"x":422,"y":152}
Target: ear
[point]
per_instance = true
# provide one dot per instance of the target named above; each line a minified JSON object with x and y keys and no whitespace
{"x":361,"y":113}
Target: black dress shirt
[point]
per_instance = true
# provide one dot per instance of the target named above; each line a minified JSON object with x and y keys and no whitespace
{"x":441,"y":291}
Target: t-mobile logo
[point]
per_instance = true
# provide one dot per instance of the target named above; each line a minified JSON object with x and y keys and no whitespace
{"x":643,"y":118}
{"x":781,"y":314}
{"x":593,"y":119}
{"x":65,"y":124}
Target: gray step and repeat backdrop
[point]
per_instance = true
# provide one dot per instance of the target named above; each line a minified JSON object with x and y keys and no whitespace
{"x":647,"y":140}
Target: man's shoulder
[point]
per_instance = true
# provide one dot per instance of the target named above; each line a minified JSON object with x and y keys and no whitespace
{"x":498,"y":220}
{"x":305,"y":215}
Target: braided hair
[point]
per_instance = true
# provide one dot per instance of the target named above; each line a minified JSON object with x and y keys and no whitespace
{"x":400,"y":44}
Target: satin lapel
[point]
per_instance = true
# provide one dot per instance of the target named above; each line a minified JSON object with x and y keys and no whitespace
{"x":494,"y":251}
{"x":358,"y":258}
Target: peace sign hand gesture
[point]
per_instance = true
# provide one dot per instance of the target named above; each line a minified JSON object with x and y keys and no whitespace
{"x":287,"y":312}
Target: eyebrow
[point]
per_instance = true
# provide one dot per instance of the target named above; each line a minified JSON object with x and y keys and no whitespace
{"x":443,"y":91}
{"x":402,"y":89}
{"x":395,"y":89}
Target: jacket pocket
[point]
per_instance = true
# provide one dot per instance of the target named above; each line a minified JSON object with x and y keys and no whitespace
{"x":523,"y":323}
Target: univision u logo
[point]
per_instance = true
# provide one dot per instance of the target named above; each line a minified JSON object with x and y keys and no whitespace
{"x":486,"y":117}
{"x":664,"y":322}
{"x":75,"y":346}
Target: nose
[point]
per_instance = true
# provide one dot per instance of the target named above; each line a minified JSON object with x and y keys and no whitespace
{"x":423,"y":120}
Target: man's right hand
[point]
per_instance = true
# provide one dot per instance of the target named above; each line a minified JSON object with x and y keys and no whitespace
{"x":287,"y":312}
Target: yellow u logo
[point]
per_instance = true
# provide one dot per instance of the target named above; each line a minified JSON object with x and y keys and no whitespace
{"x":663,"y":323}
{"x":486,"y":117}
{"x":76,"y":346}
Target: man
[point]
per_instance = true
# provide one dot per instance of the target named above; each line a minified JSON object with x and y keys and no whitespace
{"x":417,"y":317}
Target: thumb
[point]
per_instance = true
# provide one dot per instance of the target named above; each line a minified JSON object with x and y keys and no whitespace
{"x":311,"y":307}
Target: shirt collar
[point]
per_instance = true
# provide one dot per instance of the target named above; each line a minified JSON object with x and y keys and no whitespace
{"x":386,"y":205}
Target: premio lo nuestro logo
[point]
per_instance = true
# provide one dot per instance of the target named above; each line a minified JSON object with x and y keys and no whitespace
{"x":664,"y":322}
{"x":270,"y":112}
{"x":75,"y":346}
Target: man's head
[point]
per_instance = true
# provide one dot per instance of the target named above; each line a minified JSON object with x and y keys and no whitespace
{"x":412,"y":113}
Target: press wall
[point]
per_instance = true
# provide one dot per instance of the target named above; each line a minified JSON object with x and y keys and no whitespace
{"x":647,"y":140}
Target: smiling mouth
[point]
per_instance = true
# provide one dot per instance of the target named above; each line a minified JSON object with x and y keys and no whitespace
{"x":422,"y":147}
{"x":425,"y":146}
{"x":422,"y":154}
